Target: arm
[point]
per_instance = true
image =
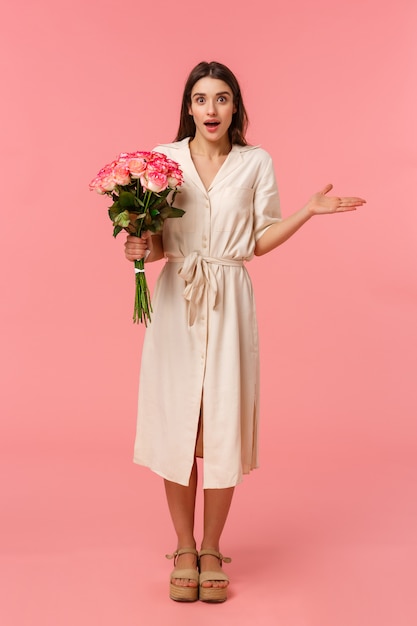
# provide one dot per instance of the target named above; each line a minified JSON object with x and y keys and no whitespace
{"x":319,"y":204}
{"x":136,"y":247}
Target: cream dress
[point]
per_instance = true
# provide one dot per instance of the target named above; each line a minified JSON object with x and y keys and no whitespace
{"x":201,"y":348}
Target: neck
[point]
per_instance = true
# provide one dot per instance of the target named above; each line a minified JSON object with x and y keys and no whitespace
{"x":200,"y":147}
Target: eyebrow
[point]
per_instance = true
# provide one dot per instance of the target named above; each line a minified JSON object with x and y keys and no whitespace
{"x":220,"y":93}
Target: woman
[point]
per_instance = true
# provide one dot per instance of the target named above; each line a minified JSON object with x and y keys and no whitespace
{"x":199,"y":382}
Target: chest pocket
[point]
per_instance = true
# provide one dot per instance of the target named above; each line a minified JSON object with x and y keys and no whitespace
{"x":233,"y":209}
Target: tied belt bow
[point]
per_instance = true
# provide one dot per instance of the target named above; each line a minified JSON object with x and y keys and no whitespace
{"x":197,"y":271}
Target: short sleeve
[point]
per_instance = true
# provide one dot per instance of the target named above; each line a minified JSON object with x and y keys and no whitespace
{"x":267,"y":210}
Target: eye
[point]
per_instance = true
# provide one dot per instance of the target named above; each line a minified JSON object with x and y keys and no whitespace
{"x":200,"y":100}
{"x":222,"y":99}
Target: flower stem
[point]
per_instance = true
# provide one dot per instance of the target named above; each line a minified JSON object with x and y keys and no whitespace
{"x":142,"y":308}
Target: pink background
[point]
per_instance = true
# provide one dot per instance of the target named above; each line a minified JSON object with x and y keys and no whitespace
{"x":324,"y":534}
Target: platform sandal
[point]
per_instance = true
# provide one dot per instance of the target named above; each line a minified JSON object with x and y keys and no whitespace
{"x":177,"y":592}
{"x":213,"y":594}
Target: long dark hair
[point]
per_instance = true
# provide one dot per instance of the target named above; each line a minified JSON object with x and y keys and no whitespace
{"x":238,"y":126}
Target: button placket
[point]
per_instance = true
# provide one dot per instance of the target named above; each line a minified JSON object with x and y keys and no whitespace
{"x":205,"y":240}
{"x":203,"y":329}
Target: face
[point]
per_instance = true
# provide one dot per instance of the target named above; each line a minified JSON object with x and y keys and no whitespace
{"x":212,"y":108}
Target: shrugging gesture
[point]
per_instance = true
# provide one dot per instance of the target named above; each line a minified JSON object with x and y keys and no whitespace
{"x":319,"y":204}
{"x":199,"y":384}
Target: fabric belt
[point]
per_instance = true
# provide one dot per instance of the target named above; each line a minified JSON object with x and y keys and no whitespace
{"x":200,"y":279}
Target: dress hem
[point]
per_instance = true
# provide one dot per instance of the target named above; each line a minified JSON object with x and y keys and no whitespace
{"x":164,"y":475}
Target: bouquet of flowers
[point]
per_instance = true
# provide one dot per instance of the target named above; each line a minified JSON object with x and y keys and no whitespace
{"x":139,"y":183}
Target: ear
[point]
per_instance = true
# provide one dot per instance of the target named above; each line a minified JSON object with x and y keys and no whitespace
{"x":189,"y":110}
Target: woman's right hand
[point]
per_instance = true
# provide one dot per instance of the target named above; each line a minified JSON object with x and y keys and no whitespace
{"x":138,"y":247}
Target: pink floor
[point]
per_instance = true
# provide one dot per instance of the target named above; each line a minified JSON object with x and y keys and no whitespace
{"x":83,"y":543}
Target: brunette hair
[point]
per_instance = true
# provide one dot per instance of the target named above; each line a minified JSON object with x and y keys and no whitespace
{"x":238,"y":126}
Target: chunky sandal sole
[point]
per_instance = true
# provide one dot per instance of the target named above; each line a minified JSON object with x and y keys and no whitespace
{"x":183,"y":594}
{"x":178,"y":592}
{"x":213,"y":594}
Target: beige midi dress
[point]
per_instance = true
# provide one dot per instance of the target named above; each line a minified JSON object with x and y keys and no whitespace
{"x":200,"y":351}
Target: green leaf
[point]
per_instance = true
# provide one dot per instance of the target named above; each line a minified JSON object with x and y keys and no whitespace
{"x":114,"y":211}
{"x":170,"y":211}
{"x":128,"y":200}
{"x":159,"y":203}
{"x":122,"y":219}
{"x":117,"y":230}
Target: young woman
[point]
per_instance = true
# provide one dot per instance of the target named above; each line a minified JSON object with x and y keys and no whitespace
{"x":199,"y":382}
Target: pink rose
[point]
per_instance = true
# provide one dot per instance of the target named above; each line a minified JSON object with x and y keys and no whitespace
{"x":108,"y":183}
{"x":121,"y":174}
{"x":159,"y":165}
{"x":140,"y":154}
{"x":158,"y":155}
{"x":96,"y":185}
{"x":108,"y":169}
{"x":153,"y":180}
{"x":103,"y":182}
{"x":137,"y":166}
{"x":175,"y":178}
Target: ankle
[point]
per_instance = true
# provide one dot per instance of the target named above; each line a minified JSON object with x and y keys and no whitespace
{"x":210,"y":542}
{"x":186,"y":542}
{"x":210,"y":545}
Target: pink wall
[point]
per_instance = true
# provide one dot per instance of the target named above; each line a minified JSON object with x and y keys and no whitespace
{"x":330,"y":90}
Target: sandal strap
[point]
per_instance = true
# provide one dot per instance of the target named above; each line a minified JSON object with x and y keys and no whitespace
{"x":213,"y":576}
{"x":218,"y":555}
{"x":180,"y":551}
{"x":189,"y":574}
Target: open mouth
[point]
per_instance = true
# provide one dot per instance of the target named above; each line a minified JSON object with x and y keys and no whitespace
{"x":211,"y":124}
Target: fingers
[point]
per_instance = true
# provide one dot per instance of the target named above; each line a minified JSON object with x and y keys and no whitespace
{"x":136,"y":247}
{"x":344,"y":209}
{"x":136,"y":254}
{"x":326,"y":189}
{"x":345,"y":201}
{"x":349,"y":204}
{"x":346,"y":204}
{"x":351,"y":201}
{"x":134,"y":239}
{"x":321,"y":203}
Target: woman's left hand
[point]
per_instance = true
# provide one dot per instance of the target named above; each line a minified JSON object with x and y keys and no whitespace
{"x":321,"y":203}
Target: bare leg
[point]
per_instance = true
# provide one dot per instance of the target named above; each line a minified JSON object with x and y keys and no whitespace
{"x":181,"y":504}
{"x":216,"y":508}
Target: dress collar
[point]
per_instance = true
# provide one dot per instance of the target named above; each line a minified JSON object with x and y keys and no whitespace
{"x":232,"y":161}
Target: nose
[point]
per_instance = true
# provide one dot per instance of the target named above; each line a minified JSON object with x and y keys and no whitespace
{"x":211,"y":107}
